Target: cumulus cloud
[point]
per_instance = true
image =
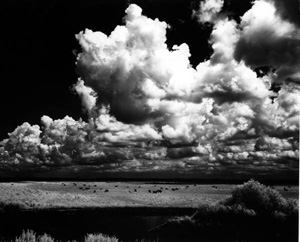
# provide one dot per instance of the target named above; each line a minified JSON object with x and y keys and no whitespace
{"x":266,"y":39}
{"x":288,"y":10}
{"x":87,"y":95}
{"x":132,"y":70}
{"x":115,"y":131}
{"x":209,"y":10}
{"x":150,"y":110}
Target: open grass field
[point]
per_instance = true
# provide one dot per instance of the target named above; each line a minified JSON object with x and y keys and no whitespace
{"x":45,"y":195}
{"x":135,"y":211}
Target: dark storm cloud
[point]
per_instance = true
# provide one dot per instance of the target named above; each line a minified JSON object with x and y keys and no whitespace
{"x":288,"y":10}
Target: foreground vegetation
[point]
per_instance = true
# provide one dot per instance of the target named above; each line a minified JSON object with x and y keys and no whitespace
{"x":30,"y":236}
{"x":254,"y":212}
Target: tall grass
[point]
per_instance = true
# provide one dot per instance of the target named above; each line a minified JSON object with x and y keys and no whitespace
{"x":30,"y":236}
{"x":100,"y":238}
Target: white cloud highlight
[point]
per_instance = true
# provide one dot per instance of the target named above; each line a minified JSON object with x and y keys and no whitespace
{"x":209,"y":9}
{"x":150,"y":109}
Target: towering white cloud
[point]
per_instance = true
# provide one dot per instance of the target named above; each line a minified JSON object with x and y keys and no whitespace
{"x":132,"y":70}
{"x":150,"y":109}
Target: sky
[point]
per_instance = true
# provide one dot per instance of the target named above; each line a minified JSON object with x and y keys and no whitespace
{"x":150,"y":89}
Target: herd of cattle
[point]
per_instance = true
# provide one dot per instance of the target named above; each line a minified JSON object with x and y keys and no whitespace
{"x":94,"y":188}
{"x":85,"y":187}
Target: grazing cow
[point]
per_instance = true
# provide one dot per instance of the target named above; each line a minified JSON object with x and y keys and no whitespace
{"x":135,"y":190}
{"x":94,"y":191}
{"x":149,"y":191}
{"x":285,"y":189}
{"x":106,"y":190}
{"x":116,"y":185}
{"x":95,"y":185}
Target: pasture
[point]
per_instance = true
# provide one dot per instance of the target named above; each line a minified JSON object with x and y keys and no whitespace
{"x":64,"y":195}
{"x":134,"y":211}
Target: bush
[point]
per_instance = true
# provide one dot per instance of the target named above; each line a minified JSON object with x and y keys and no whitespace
{"x":261,"y":199}
{"x":45,"y":238}
{"x":213,"y":214}
{"x":30,"y":236}
{"x":99,"y":238}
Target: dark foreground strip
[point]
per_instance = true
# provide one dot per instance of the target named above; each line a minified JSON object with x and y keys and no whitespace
{"x":133,"y":211}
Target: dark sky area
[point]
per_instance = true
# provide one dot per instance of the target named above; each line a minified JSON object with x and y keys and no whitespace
{"x":38,"y":50}
{"x":230,"y":123}
{"x":39,"y":66}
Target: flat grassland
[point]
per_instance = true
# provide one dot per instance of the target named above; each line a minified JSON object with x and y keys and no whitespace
{"x":73,"y":195}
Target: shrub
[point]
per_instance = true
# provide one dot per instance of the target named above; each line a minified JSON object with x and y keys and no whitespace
{"x":261,"y":199}
{"x":219,"y":212}
{"x":45,"y":238}
{"x":30,"y":236}
{"x":100,"y":238}
{"x":292,"y":207}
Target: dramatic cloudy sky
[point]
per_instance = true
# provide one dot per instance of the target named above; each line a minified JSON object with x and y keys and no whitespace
{"x":193,"y":89}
